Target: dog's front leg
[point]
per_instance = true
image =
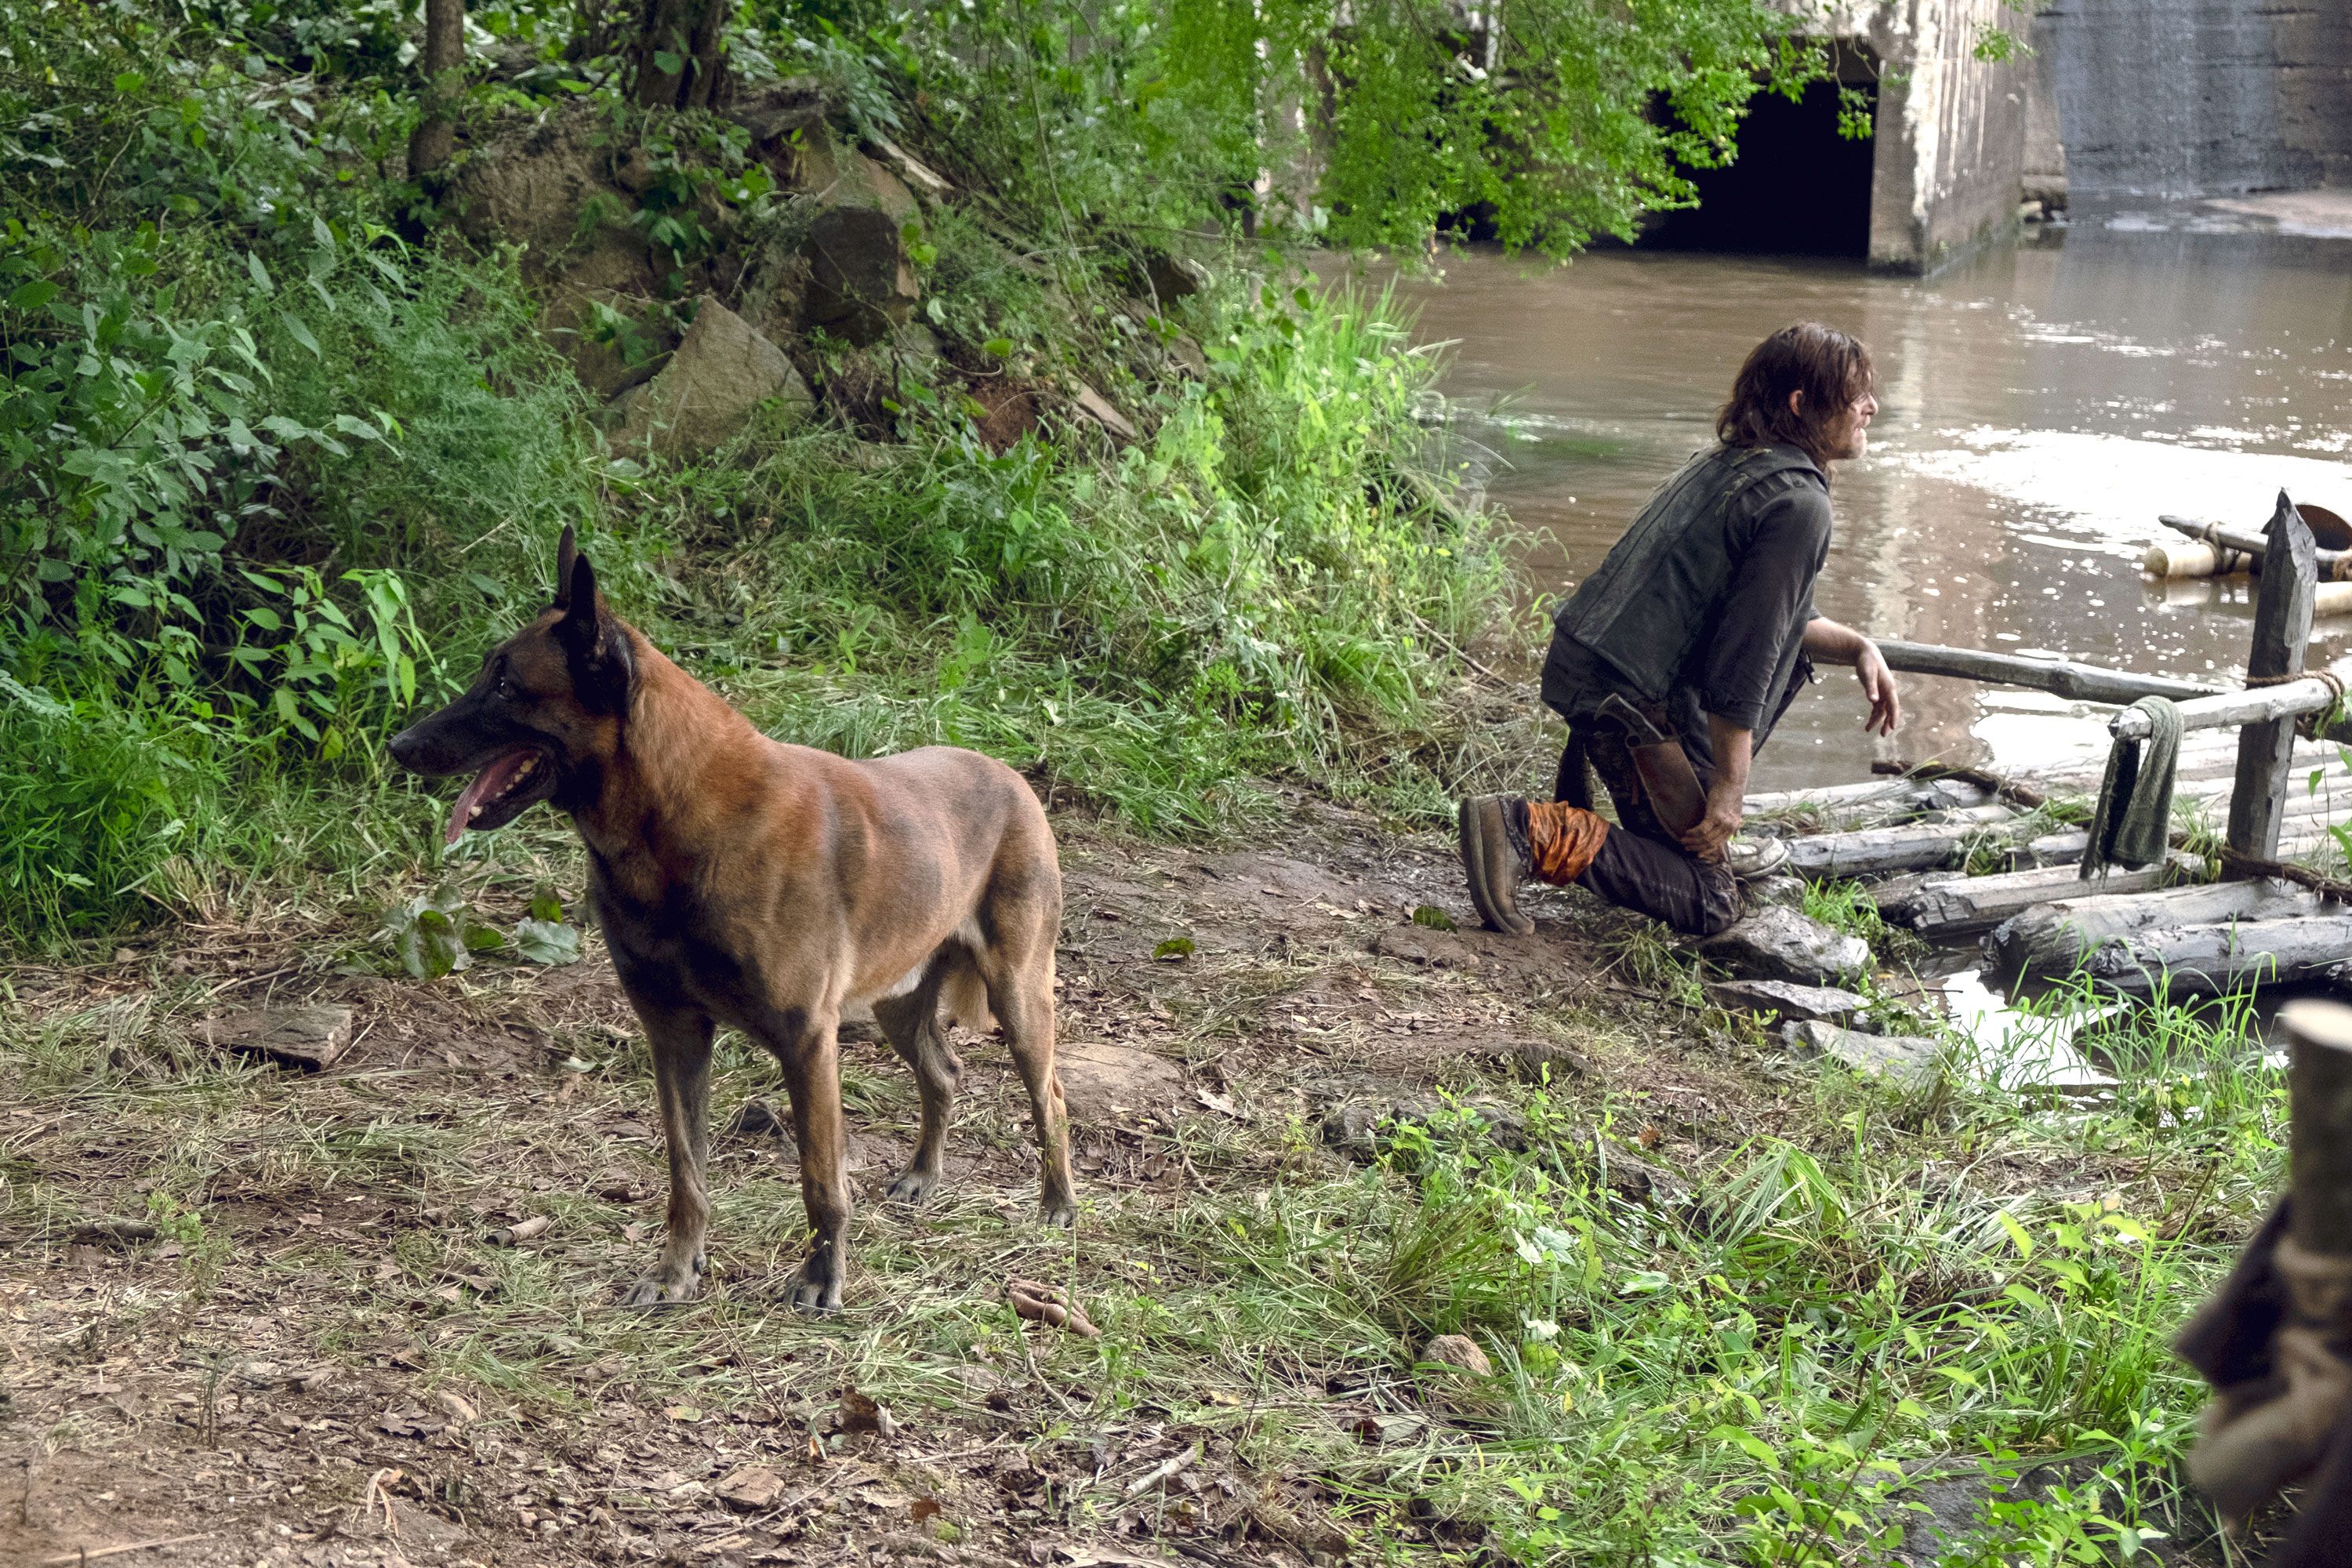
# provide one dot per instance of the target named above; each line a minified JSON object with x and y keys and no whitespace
{"x":680,"y":1042}
{"x":805,"y":1045}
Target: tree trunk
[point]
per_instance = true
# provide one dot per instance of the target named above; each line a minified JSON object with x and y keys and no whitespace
{"x":680,"y":53}
{"x":436,"y":136}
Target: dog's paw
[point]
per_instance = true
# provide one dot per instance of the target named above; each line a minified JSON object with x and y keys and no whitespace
{"x":914,"y":1186}
{"x":667,"y":1285}
{"x":815,"y":1288}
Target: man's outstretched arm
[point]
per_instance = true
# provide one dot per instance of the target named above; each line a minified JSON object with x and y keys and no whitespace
{"x":1831,"y":643}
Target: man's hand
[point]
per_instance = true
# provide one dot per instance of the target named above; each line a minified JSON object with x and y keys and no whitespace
{"x":1717,"y":827}
{"x":1878,"y":689}
{"x":1833,"y":644}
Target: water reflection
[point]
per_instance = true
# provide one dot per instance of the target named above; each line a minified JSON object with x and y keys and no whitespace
{"x":2040,"y":405}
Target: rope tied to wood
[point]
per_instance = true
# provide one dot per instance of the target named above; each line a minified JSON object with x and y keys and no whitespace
{"x":2308,"y":725}
{"x":2228,"y":558}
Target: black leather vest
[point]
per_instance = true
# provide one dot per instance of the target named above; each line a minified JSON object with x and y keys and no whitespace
{"x":1651,"y":600}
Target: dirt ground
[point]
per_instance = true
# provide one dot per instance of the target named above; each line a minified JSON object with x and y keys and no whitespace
{"x":259,"y":1315}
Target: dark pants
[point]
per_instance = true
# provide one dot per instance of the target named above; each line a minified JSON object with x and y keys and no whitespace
{"x":1640,"y":866}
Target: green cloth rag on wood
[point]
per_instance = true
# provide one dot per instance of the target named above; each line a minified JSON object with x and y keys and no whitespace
{"x":2133,"y":826}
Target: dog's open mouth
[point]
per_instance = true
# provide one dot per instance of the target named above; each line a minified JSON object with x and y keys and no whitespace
{"x":501,"y":791}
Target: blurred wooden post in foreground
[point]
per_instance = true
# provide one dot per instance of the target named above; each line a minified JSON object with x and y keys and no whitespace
{"x":2319,"y":1101}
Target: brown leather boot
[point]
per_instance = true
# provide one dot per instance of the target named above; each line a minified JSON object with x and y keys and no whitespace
{"x":1495,"y":860}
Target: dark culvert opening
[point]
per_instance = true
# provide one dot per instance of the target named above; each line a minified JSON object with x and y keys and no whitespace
{"x":1797,"y":188}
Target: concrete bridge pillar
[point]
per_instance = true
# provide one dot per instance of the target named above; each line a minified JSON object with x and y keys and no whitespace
{"x":1950,"y":143}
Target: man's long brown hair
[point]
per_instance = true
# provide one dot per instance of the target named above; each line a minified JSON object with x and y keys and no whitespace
{"x":1829,"y":367}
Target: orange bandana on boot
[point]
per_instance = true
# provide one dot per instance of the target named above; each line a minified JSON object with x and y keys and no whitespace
{"x":1506,"y":840}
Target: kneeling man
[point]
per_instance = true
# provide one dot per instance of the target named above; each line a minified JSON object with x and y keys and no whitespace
{"x":1674,"y":661}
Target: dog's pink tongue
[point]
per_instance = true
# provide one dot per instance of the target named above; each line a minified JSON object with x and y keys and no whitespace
{"x":487,"y":782}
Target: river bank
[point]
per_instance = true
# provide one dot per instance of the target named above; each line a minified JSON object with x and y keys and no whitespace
{"x":1728,"y":1302}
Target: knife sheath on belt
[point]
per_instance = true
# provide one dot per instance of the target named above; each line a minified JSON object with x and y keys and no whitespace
{"x":1667,"y":777}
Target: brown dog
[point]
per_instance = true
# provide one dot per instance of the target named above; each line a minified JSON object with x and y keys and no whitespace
{"x":745,"y":882}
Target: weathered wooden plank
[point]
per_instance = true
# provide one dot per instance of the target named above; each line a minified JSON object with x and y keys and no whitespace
{"x":2273,"y":707}
{"x":2281,"y":630}
{"x":1880,"y":851}
{"x":1841,"y":809}
{"x":2064,"y":677}
{"x":2065,"y":848}
{"x":1963,"y":906}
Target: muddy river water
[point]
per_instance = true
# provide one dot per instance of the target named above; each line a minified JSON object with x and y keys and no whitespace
{"x":2040,"y":405}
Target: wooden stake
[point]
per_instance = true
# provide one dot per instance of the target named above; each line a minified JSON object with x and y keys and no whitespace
{"x":2282,"y":628}
{"x":2319,"y":1101}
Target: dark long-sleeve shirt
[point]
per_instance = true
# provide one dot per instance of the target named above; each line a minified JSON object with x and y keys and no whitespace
{"x":1748,"y":661}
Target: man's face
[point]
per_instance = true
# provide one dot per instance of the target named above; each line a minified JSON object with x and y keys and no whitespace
{"x":1849,"y":433}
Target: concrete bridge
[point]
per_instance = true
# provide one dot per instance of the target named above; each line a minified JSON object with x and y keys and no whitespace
{"x":2151,"y":98}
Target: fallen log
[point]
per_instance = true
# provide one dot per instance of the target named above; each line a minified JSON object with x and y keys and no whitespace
{"x":2025,"y":798}
{"x":1909,"y":846}
{"x":1963,"y":906}
{"x":2061,"y":676}
{"x":1874,"y":804}
{"x":2065,"y":848}
{"x":2049,"y":941}
{"x":2213,"y":960}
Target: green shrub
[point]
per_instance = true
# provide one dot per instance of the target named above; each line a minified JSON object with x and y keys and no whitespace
{"x":95,"y":799}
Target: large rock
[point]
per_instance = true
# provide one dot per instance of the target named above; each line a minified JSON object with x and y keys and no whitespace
{"x":613,"y":273}
{"x":722,"y":371}
{"x":1907,"y":1061}
{"x":791,"y":110}
{"x":1779,"y":1000}
{"x":861,"y":283}
{"x":1779,"y":943}
{"x":531,"y":188}
{"x":1103,"y":1082}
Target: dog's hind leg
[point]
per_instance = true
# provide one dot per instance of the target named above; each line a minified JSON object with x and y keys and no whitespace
{"x":805,"y":1045}
{"x":680,"y":1042}
{"x":1023,"y":1002}
{"x":1018,"y":968}
{"x":912,"y":1024}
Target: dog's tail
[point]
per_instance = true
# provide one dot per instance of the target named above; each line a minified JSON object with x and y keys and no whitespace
{"x":963,"y":996}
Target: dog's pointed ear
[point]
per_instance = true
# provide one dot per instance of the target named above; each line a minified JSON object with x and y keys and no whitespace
{"x":567,"y":551}
{"x":597,"y":645}
{"x":575,"y":594}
